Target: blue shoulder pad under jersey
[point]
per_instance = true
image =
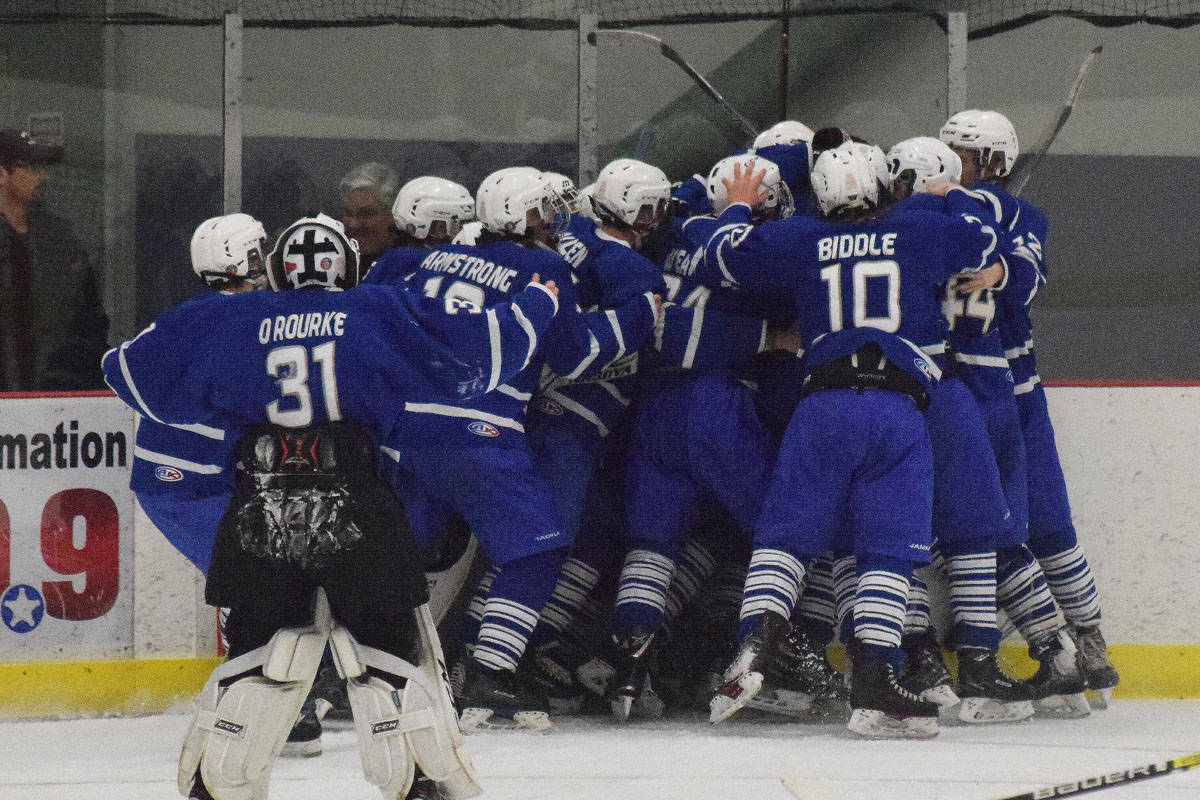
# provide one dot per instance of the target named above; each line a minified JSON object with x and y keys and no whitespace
{"x":609,"y":272}
{"x":394,"y":265}
{"x":875,"y":274}
{"x":299,"y":358}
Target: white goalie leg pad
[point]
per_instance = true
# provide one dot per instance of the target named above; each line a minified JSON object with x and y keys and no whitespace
{"x":416,"y":723}
{"x":240,"y":728}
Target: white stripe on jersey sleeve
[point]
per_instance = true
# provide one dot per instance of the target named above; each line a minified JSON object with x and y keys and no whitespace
{"x":496,"y":350}
{"x":178,"y":463}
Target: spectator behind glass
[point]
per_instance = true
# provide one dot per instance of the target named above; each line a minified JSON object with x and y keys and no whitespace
{"x":367,"y":193}
{"x":52,"y":325}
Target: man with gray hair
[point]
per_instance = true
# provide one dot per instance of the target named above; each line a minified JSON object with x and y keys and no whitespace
{"x":367,"y":192}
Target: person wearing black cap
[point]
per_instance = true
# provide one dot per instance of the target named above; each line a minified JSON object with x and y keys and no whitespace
{"x":52,"y":325}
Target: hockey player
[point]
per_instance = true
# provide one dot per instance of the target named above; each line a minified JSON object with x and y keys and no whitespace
{"x":474,"y":458}
{"x":307,"y":381}
{"x":430,"y":211}
{"x":854,"y":473}
{"x":987,"y":143}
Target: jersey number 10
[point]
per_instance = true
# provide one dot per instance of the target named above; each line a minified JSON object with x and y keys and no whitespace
{"x":860,"y":273}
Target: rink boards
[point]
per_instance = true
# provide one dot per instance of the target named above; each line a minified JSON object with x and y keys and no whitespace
{"x":100,"y":615}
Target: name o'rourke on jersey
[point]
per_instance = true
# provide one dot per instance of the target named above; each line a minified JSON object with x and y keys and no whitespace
{"x":301,"y":326}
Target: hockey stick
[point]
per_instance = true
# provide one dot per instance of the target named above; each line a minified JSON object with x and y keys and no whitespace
{"x":1063,"y":116}
{"x":673,"y":54}
{"x":1109,"y":779}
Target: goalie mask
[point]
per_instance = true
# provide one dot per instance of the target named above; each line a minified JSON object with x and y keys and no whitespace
{"x":506,"y":197}
{"x":778,"y":203}
{"x":314,"y":253}
{"x":843,"y":180}
{"x":230,"y":248}
{"x":988,"y":132}
{"x":920,"y":162}
{"x":432,"y":208}
{"x":631,"y":195}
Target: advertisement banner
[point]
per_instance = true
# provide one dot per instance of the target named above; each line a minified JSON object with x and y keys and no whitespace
{"x":66,"y":529}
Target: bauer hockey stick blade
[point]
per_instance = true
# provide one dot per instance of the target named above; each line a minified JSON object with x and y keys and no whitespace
{"x":673,"y":55}
{"x":1063,"y":116}
{"x":1109,"y":779}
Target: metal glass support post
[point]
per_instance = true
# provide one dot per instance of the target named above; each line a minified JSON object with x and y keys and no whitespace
{"x":956,"y":62}
{"x":232,"y":124}
{"x":588,"y":126}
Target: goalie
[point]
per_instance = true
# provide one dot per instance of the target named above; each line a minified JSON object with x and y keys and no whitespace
{"x":313,"y":548}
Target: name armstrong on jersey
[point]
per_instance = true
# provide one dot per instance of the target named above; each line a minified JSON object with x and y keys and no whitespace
{"x":471,"y":268}
{"x":64,"y":448}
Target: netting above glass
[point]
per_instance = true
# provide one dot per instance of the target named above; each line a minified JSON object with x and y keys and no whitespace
{"x":983,"y":15}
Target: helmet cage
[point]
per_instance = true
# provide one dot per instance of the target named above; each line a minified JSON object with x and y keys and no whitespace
{"x":314,"y":253}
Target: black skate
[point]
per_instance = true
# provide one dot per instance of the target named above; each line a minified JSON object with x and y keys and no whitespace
{"x":549,"y":668}
{"x":423,"y":789}
{"x":631,"y":672}
{"x":329,"y":693}
{"x":988,"y":695}
{"x":1098,"y":671}
{"x":799,"y":681}
{"x":883,"y":709}
{"x":1058,"y":685}
{"x":924,"y":671}
{"x":199,"y":791}
{"x":499,"y":699}
{"x":743,"y":678}
{"x":304,"y":740}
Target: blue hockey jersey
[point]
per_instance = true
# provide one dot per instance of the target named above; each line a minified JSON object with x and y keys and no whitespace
{"x":301,"y":358}
{"x":853,"y":282}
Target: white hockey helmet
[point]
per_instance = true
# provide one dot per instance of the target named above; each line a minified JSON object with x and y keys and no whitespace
{"x":842,"y":179}
{"x":507,"y":195}
{"x":565,"y":187}
{"x":229,"y":247}
{"x":779,"y":202}
{"x":429,"y":199}
{"x":787,"y":132}
{"x":989,"y":132}
{"x":585,"y":200}
{"x":921,"y":162}
{"x":878,"y":161}
{"x":314,"y":253}
{"x":631,"y":194}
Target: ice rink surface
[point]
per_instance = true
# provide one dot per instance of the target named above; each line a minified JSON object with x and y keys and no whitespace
{"x":679,"y":758}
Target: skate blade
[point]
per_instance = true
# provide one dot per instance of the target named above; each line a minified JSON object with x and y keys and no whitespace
{"x":595,"y":675}
{"x":942,"y":695}
{"x":1098,"y":698}
{"x":649,"y":705}
{"x":872,"y":724}
{"x":733,"y":695}
{"x":621,"y":706}
{"x":566,"y":705}
{"x":1063,"y":706}
{"x":485,"y":719}
{"x":301,"y":749}
{"x":987,"y":710}
{"x":782,"y":701}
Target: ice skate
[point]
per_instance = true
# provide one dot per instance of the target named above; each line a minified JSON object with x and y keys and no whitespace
{"x":988,"y":695}
{"x":798,"y":681}
{"x":423,"y":789}
{"x":199,"y":791}
{"x":883,"y":709}
{"x":499,"y":700}
{"x":548,"y":668}
{"x":925,"y":672}
{"x":743,"y":678}
{"x":304,"y":740}
{"x":1098,"y":671}
{"x":631,"y":672}
{"x":1058,"y":685}
{"x":329,"y":694}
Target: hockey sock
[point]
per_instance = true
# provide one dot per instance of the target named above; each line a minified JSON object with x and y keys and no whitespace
{"x":510,"y":613}
{"x":972,"y":582}
{"x":845,"y":584}
{"x":879,"y":605}
{"x":816,"y":608}
{"x":574,"y":585}
{"x":474,"y":613}
{"x":773,"y":583}
{"x":695,"y":567}
{"x":1024,"y":595}
{"x":916,"y":616}
{"x":1070,"y":580}
{"x":642,"y":591}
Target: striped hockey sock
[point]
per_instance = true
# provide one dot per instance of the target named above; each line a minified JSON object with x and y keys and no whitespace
{"x":1070,"y":579}
{"x":972,"y":581}
{"x":474,"y":613}
{"x":879,"y":605}
{"x":642,"y":591}
{"x":916,"y":615}
{"x":696,"y":565}
{"x":574,"y":585}
{"x":503,"y":633}
{"x":773,"y":583}
{"x":845,"y":584}
{"x":1024,"y":595}
{"x":816,"y":610}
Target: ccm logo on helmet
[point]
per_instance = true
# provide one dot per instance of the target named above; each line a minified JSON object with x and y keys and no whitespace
{"x":483,"y":429}
{"x":168,"y":474}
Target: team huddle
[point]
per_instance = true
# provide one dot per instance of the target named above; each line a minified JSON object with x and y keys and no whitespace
{"x":698,"y":431}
